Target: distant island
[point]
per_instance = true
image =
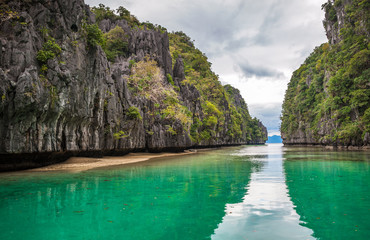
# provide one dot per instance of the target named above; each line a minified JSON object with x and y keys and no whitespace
{"x":274,"y":139}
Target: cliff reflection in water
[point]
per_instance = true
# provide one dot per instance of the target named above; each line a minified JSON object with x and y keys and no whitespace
{"x":176,"y":199}
{"x":330,"y":190}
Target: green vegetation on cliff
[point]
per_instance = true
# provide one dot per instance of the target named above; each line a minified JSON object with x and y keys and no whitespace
{"x":221,"y":112}
{"x":102,"y":12}
{"x":121,"y":13}
{"x":328,"y":97}
{"x":146,"y":80}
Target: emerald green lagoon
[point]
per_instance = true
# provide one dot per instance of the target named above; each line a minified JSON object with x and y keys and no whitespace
{"x":250,"y":192}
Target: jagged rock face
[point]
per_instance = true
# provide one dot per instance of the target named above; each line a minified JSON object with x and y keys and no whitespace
{"x":144,"y":43}
{"x":189,"y":95}
{"x":81,"y":100}
{"x":334,"y":20}
{"x":304,"y":135}
{"x":48,"y":114}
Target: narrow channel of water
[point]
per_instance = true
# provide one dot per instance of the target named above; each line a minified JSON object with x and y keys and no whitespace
{"x":266,"y":211}
{"x":249,"y":192}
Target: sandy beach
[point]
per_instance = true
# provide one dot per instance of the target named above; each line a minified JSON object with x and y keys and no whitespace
{"x":78,"y":164}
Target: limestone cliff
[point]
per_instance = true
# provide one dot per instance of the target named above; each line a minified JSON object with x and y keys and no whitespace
{"x":61,"y":96}
{"x":327,"y":101}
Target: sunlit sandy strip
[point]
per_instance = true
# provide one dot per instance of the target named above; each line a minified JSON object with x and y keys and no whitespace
{"x":78,"y":164}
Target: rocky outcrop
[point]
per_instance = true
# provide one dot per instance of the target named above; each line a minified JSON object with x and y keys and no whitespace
{"x":78,"y":102}
{"x":334,"y":19}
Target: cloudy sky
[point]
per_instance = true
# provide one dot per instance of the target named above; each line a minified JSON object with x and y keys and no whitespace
{"x":253,"y":45}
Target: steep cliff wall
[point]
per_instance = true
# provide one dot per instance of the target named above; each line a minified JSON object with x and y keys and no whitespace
{"x":61,"y":96}
{"x":327,"y":100}
{"x":257,"y":134}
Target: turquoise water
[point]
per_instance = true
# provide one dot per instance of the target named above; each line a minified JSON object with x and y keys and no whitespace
{"x":251,"y":192}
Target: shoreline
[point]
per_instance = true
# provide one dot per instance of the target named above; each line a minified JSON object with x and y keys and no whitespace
{"x":329,"y":147}
{"x":24,"y":161}
{"x":80,"y":164}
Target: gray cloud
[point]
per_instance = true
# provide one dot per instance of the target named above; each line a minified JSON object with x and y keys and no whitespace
{"x":269,"y":24}
{"x":259,"y":71}
{"x":234,"y":27}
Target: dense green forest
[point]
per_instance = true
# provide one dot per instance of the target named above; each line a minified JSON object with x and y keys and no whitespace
{"x":328,"y":97}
